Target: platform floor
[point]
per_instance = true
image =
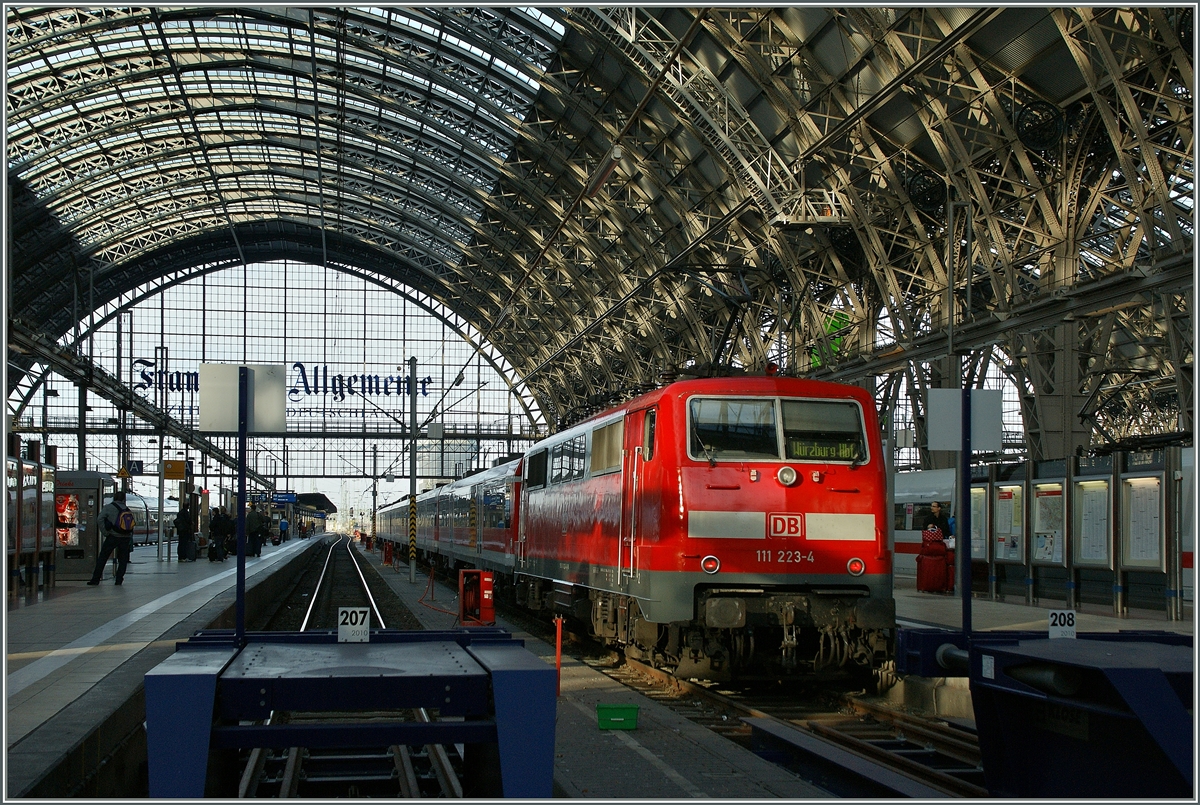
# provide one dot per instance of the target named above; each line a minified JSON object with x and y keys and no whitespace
{"x":666,"y":757}
{"x":76,"y":657}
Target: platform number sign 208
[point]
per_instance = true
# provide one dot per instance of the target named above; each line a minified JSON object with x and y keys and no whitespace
{"x":354,"y":624}
{"x":1062,"y":623}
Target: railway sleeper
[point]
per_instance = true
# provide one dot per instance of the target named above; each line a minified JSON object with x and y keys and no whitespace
{"x":393,"y":771}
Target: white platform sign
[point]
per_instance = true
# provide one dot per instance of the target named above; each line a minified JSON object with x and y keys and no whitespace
{"x":267,"y":398}
{"x":943,"y":418}
{"x":1062,"y":624}
{"x":354,"y":625}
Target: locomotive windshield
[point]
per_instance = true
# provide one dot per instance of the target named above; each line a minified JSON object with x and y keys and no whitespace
{"x":726,"y":428}
{"x":731,"y":429}
{"x":822,"y":430}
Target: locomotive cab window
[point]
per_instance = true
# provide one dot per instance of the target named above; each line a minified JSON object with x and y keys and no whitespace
{"x":732,"y":429}
{"x":823,"y":430}
{"x":648,"y":435}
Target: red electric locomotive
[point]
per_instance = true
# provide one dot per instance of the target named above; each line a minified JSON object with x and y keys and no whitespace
{"x":719,"y":527}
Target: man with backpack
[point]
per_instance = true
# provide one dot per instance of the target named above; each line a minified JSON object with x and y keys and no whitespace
{"x":116,"y":521}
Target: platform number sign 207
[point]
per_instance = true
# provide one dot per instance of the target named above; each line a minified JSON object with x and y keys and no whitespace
{"x":1062,"y":623}
{"x":354,"y":624}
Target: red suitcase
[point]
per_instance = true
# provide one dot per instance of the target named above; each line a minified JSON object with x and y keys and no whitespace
{"x":935,"y":567}
{"x":931,"y":574}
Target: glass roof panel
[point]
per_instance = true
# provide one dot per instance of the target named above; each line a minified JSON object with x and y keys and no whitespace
{"x":401,"y":95}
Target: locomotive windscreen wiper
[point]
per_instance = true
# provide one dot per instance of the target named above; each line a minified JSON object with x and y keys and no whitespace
{"x":712,"y":461}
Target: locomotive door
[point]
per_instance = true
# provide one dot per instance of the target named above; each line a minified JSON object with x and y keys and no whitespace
{"x":639,"y":448}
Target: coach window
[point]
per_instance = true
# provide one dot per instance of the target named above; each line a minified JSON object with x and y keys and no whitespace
{"x":648,"y":434}
{"x":606,"y":447}
{"x":558,"y":463}
{"x":535,"y":470}
{"x":577,"y":454}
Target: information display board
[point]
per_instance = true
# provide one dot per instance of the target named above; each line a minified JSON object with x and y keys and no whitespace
{"x":1091,"y":526}
{"x":1049,"y":511}
{"x":13,"y":483}
{"x":1187,"y":532}
{"x":980,"y":547}
{"x":1008,"y":523}
{"x":1143,"y":537}
{"x":48,"y":519}
{"x":29,"y":506}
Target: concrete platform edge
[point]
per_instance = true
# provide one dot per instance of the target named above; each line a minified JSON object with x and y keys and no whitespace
{"x":103,"y":754}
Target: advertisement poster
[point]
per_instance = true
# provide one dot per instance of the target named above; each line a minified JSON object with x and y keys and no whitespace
{"x":1048,"y":524}
{"x":1009,"y":524}
{"x":979,"y":523}
{"x":67,"y":508}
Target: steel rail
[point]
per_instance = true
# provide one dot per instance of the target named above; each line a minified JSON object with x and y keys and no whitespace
{"x":313,"y":602}
{"x":363,"y":579}
{"x":440,"y":761}
{"x":952,"y":745}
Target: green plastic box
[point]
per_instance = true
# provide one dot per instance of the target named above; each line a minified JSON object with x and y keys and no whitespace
{"x":617,"y":716}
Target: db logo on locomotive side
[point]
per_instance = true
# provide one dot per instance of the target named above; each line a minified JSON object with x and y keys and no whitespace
{"x":785,"y":525}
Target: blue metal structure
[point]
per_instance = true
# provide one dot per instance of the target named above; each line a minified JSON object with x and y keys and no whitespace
{"x":1105,"y":715}
{"x":198,"y":698}
{"x":1084,"y":718}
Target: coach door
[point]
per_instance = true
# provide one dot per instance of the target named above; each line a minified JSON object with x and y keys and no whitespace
{"x":639,"y":448}
{"x":535,"y":478}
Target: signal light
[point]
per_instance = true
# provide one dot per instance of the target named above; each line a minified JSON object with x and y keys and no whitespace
{"x":856,"y":567}
{"x":787,"y":476}
{"x":710,"y":564}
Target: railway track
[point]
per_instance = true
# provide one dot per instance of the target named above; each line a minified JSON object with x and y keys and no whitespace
{"x":935,"y":754}
{"x":938,"y":756}
{"x":339,"y":578}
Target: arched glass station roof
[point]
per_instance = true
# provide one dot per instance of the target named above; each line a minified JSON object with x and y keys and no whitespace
{"x":890,"y":196}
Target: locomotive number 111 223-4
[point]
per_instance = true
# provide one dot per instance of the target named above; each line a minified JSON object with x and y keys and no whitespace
{"x":769,"y":555}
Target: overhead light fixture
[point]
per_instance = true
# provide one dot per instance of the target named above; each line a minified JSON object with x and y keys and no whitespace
{"x":605,"y":170}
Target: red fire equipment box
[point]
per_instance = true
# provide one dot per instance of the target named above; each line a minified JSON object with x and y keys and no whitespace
{"x":476,"y":607}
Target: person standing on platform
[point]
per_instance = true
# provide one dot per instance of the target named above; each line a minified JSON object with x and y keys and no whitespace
{"x":116,"y":521}
{"x":283,"y":529}
{"x":937,"y":517}
{"x":255,"y":526}
{"x":186,"y":531}
{"x":217,"y":531}
{"x":935,"y":565}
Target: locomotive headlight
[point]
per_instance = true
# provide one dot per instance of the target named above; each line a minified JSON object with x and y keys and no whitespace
{"x":710,"y":564}
{"x":787,"y":476}
{"x":856,"y":567}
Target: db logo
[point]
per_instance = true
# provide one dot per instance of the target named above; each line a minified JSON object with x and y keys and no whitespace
{"x":786,"y":525}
